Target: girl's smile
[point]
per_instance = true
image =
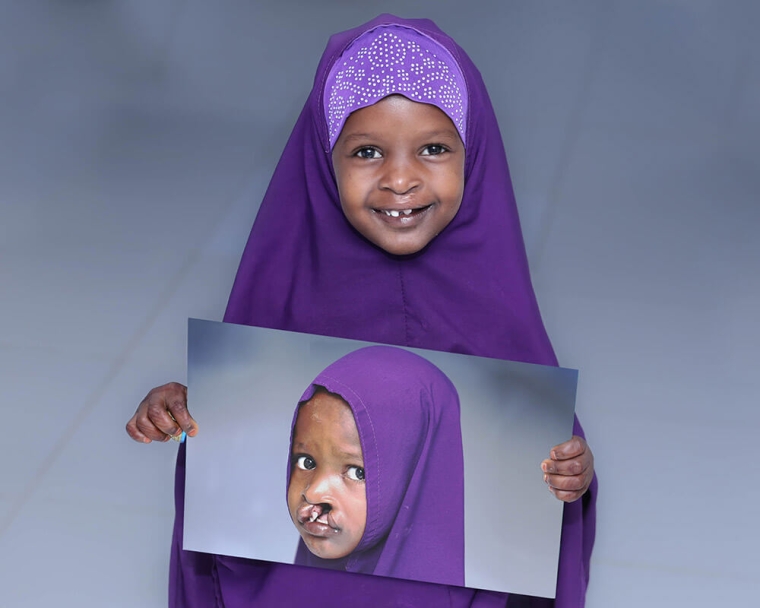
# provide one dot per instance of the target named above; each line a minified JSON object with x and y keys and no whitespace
{"x":399,"y":165}
{"x":326,"y":493}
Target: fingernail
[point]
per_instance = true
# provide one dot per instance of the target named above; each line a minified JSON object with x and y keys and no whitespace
{"x":546,"y":478}
{"x":544,"y":467}
{"x":554,"y":455}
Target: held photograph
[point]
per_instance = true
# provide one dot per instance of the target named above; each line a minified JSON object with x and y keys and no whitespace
{"x":374,"y":459}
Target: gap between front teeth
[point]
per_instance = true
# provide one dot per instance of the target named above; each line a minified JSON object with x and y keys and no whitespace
{"x":398,"y":213}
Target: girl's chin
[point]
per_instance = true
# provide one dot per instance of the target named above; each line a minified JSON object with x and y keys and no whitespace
{"x":409,"y":245}
{"x":321,"y":553}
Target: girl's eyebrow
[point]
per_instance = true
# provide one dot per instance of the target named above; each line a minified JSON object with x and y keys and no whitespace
{"x":450,"y":133}
{"x":352,"y":454}
{"x":300,"y":446}
{"x":428,"y":135}
{"x":359,"y":136}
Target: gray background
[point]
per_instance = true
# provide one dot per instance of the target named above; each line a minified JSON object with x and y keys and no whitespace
{"x":136,"y":139}
{"x":243,"y":387}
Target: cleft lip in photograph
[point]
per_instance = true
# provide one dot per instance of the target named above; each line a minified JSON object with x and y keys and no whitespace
{"x":374,"y":459}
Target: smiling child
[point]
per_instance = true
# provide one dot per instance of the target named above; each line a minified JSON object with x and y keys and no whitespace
{"x":390,"y":218}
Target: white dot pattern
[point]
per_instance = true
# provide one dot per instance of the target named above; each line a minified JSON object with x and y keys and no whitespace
{"x":391,"y":60}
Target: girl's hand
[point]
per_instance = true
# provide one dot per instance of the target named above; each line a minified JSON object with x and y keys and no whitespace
{"x":162,"y":415}
{"x":570,"y":469}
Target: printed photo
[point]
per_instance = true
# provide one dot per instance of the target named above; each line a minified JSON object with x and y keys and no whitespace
{"x":374,"y":459}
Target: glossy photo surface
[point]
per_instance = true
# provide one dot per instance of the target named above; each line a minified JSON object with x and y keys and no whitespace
{"x":275,"y":453}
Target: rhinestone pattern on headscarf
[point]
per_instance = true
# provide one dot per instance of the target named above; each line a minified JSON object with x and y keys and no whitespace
{"x":390,"y":60}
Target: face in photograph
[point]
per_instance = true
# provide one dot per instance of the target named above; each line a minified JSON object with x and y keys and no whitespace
{"x":326,"y":493}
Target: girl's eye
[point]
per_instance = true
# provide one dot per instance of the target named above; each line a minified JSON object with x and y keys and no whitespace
{"x":306,"y":463}
{"x":367,"y":153}
{"x":433,"y":150}
{"x":355,"y":473}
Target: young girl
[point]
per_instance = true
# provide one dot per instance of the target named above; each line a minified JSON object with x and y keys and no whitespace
{"x":376,"y":472}
{"x":390,"y":218}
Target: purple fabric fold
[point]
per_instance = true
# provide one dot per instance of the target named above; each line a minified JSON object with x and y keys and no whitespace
{"x":469,"y":291}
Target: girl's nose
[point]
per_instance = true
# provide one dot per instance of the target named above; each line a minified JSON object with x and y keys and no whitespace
{"x":401,"y":176}
{"x":319,"y":490}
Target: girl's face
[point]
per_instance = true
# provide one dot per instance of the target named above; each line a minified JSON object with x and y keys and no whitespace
{"x":400,"y":171}
{"x":326,"y":495}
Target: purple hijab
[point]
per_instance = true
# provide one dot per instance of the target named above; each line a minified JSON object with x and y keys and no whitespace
{"x":469,"y":291}
{"x":407,"y":413}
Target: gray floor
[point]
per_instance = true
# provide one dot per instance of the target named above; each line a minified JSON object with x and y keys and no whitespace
{"x":136,"y":139}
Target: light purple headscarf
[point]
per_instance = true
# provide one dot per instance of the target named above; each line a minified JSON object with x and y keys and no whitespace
{"x":469,"y":291}
{"x":407,"y":413}
{"x":392,"y":60}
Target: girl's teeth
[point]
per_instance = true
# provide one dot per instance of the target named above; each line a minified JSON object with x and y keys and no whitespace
{"x":407,"y":212}
{"x":314,"y":516}
{"x":395,"y":213}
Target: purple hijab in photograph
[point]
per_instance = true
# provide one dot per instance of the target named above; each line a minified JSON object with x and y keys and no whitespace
{"x":469,"y":291}
{"x":407,"y":413}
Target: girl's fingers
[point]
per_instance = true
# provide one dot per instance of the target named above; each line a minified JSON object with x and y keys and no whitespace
{"x":576,"y":483}
{"x":162,"y":414}
{"x":157,"y":415}
{"x":576,"y":466}
{"x":567,"y":489}
{"x":569,"y":476}
{"x":149,"y":429}
{"x":140,"y":428}
{"x":134,"y":432}
{"x":570,"y":449}
{"x":176,"y":403}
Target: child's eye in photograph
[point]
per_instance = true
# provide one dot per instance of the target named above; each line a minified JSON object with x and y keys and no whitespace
{"x":376,"y":443}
